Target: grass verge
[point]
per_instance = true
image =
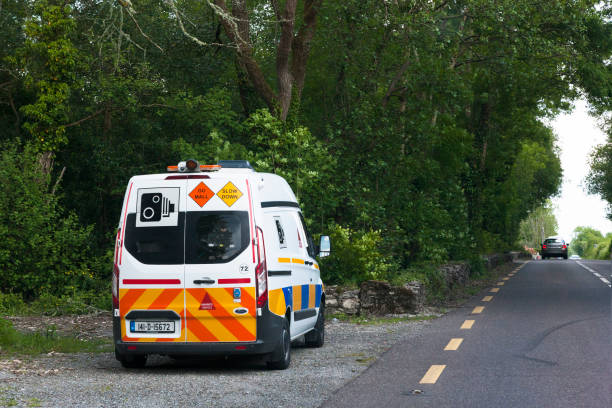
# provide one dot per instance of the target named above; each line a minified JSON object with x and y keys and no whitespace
{"x":75,"y":303}
{"x":375,"y":320}
{"x":15,"y":342}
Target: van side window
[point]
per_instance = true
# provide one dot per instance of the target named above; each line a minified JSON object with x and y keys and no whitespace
{"x":310,"y":247}
{"x":281,"y":233}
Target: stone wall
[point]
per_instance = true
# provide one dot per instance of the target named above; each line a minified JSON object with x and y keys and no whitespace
{"x":378,"y":298}
{"x":381,"y":298}
{"x":375,"y":298}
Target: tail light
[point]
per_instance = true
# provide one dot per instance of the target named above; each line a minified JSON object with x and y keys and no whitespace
{"x":544,"y":246}
{"x":115,"y":286}
{"x":261,"y":270}
{"x":564,"y":246}
{"x":115,"y":283}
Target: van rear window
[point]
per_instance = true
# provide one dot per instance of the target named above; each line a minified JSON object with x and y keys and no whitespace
{"x":215,"y":236}
{"x":155,"y":245}
{"x":211,"y":237}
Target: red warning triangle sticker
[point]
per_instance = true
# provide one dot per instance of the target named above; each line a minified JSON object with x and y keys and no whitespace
{"x":207,"y":304}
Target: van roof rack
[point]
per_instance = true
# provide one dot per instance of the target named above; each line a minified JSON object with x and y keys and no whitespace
{"x":235,"y":164}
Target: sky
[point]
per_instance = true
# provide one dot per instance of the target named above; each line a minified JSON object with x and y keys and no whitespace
{"x":578,"y":134}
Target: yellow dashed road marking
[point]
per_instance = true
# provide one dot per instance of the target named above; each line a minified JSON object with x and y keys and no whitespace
{"x":453,"y":344}
{"x":494,"y":290}
{"x":467,"y":324}
{"x":487,"y":298}
{"x":500,"y":283}
{"x":432,"y":375}
{"x":478,"y":310}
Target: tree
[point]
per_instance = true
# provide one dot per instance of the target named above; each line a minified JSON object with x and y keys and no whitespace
{"x":52,"y":63}
{"x":242,"y":21}
{"x":539,"y":224}
{"x":599,"y":179}
{"x":590,"y":243}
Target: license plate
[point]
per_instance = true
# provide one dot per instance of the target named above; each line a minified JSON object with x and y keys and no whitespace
{"x":151,"y":327}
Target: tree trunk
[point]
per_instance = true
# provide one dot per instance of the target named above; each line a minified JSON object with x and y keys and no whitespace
{"x":45,"y":161}
{"x":292,"y":50}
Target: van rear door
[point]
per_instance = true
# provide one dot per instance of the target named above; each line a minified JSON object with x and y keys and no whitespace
{"x":151,"y":261}
{"x":219,"y":261}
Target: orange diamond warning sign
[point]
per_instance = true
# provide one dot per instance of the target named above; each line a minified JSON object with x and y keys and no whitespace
{"x":229,"y":194}
{"x":207,"y":304}
{"x":201,"y":194}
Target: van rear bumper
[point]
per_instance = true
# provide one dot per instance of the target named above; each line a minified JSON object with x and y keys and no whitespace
{"x":268,"y":337}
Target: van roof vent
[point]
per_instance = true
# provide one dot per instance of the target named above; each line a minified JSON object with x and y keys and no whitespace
{"x":235,"y":164}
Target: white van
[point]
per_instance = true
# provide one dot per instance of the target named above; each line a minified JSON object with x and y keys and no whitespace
{"x":214,"y":260}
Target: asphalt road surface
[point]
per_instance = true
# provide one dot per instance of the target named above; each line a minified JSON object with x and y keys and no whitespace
{"x":540,"y":337}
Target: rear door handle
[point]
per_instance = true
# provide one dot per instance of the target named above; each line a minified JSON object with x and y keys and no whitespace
{"x":206,"y":281}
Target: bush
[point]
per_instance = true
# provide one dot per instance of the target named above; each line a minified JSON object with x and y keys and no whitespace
{"x":79,"y":302}
{"x":356,"y":256}
{"x":11,"y":304}
{"x":43,"y":249}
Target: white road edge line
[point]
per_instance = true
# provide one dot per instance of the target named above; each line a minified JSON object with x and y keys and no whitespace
{"x":604,"y":280}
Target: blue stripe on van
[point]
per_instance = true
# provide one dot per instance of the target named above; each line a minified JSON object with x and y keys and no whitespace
{"x":305,"y":293}
{"x":319,"y":290}
{"x":288,"y":297}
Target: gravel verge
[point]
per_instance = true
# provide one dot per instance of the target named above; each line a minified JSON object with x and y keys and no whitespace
{"x":98,"y":380}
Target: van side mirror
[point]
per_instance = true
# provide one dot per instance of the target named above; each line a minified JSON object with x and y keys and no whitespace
{"x":324,"y":246}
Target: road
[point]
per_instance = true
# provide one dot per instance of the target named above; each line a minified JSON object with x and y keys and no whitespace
{"x":540,"y":337}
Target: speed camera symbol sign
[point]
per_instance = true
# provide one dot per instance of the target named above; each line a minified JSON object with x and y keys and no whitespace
{"x":157,"y":207}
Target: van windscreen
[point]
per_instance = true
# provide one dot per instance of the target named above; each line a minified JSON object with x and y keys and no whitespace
{"x":215,"y":236}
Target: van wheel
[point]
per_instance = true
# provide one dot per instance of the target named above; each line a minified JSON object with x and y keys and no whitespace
{"x":316,"y":337}
{"x":282,"y":354}
{"x":131,"y":361}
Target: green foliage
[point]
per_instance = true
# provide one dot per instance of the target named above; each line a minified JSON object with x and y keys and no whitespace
{"x":290,"y":152}
{"x":52,"y":63}
{"x":43,"y":249}
{"x":423,"y":122}
{"x":356,"y":256}
{"x":599,"y":180}
{"x":539,"y":224}
{"x":15,"y":342}
{"x":591,"y":244}
{"x":75,"y":303}
{"x":11,"y":304}
{"x":78,"y":302}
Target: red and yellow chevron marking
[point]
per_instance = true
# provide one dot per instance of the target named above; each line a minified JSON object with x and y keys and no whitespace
{"x":151,"y":299}
{"x":220,"y":324}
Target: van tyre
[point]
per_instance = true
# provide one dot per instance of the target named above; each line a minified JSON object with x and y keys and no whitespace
{"x":130,"y":360}
{"x":281,"y":357}
{"x":316,"y":337}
